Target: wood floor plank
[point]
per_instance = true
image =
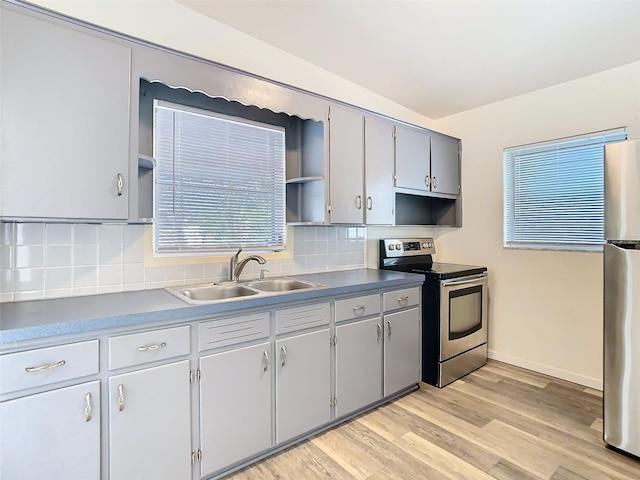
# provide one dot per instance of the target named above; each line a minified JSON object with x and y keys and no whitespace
{"x":565,"y":474}
{"x":449,"y":465}
{"x":490,"y":411}
{"x":516,"y":373}
{"x":467,"y":451}
{"x":505,"y":470}
{"x":356,"y":461}
{"x":500,"y":422}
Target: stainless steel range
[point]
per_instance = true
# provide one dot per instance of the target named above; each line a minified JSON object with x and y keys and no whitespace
{"x":454,"y":308}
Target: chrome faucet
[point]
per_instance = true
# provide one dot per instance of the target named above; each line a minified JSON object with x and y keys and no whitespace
{"x":236,"y":267}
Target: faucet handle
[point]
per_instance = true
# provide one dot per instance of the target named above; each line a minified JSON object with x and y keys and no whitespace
{"x":262,"y":272}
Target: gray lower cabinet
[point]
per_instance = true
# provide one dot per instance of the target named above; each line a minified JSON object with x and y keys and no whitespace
{"x":55,"y":434}
{"x":358,"y":365}
{"x":64,"y":101}
{"x":303,"y":383}
{"x":150,"y":423}
{"x":401,"y":350}
{"x":235,"y":405}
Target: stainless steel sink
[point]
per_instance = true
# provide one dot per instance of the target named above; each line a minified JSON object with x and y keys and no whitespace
{"x":282,"y":284}
{"x":206,"y":293}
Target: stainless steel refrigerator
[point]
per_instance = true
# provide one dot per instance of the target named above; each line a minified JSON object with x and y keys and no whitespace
{"x":622,"y":296}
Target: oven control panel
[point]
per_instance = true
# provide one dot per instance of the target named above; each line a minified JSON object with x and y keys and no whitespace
{"x":406,"y":247}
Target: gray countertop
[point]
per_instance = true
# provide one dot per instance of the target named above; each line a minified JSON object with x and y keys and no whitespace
{"x":40,"y":319}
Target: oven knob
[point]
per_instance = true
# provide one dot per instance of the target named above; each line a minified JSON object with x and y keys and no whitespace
{"x":398,"y":246}
{"x":426,"y":245}
{"x":391,"y":247}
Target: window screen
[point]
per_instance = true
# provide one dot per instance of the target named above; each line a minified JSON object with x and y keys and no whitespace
{"x":219,"y":182}
{"x":554,"y":192}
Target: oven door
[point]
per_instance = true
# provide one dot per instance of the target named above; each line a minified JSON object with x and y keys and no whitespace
{"x":463,"y":314}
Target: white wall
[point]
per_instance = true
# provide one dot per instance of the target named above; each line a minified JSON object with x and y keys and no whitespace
{"x":545,"y":306}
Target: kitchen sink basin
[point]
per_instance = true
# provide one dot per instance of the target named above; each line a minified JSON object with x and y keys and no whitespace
{"x":206,"y":293}
{"x":281,"y":285}
{"x":209,"y":292}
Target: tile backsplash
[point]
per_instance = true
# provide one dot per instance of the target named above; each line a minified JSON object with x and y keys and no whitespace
{"x":52,"y":260}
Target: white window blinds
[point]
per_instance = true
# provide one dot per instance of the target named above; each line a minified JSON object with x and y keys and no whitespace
{"x":219,"y":182}
{"x":554,"y":193}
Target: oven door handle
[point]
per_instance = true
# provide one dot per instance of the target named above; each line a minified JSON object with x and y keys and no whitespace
{"x":473,"y":279}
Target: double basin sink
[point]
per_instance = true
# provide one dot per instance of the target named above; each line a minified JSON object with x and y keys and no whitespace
{"x":218,"y":292}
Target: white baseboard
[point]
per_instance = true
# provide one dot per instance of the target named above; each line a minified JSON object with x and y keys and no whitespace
{"x":591,"y":382}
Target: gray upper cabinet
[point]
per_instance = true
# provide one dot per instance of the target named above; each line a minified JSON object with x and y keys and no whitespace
{"x":427,"y":163}
{"x":346,"y":134}
{"x":64,"y":99}
{"x":361,"y":168}
{"x":378,"y":150}
{"x":412,"y":159}
{"x":445,"y":165}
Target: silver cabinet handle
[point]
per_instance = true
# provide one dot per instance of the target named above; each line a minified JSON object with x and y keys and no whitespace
{"x":379,"y":328}
{"x":283,"y":356}
{"x":369,"y":203}
{"x":151,"y":347}
{"x":403,"y":299}
{"x":88,"y":410}
{"x":434,"y":182}
{"x":357,"y":308}
{"x":42,"y":368}
{"x":265,"y":366}
{"x":427,"y":181}
{"x":120,"y":397}
{"x":359,"y":202}
{"x":120,"y":184}
{"x":389,"y":328}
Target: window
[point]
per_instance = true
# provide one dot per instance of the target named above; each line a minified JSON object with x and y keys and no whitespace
{"x":219,"y":182}
{"x":554,"y":193}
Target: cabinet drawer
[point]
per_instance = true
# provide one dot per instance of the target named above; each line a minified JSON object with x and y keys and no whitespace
{"x":357,"y":307}
{"x":229,"y":331}
{"x":407,"y":297}
{"x":43,"y":366}
{"x":145,"y":347}
{"x":299,"y":318}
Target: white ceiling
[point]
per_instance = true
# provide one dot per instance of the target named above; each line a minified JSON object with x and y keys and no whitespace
{"x":440,"y":57}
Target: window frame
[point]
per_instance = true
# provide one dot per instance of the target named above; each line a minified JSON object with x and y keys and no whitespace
{"x":549,"y":149}
{"x":184,"y":250}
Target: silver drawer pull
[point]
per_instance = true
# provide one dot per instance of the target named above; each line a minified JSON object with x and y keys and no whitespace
{"x":88,"y":410}
{"x":403,"y":299}
{"x":151,"y":347}
{"x":120,"y":184}
{"x":265,"y":367}
{"x":120,"y":397}
{"x":283,"y":356}
{"x":357,"y":308}
{"x":43,"y":368}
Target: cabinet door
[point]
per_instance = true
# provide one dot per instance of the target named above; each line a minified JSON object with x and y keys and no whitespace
{"x":401,"y":350}
{"x":52,"y":435}
{"x":235,"y":405}
{"x":65,"y":110}
{"x":379,"y":197}
{"x":150,"y":423}
{"x":345,"y":166}
{"x":303,"y":385}
{"x":445,"y":166}
{"x":358,"y":365}
{"x":412,"y":159}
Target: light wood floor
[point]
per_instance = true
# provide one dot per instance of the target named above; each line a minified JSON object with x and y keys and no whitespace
{"x":500,"y":422}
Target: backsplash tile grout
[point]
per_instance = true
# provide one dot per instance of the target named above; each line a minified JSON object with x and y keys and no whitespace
{"x":40,"y":260}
